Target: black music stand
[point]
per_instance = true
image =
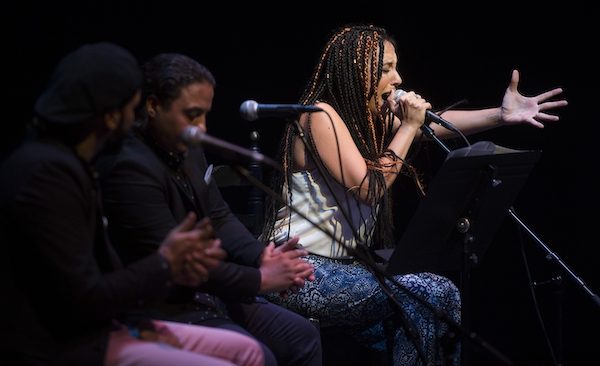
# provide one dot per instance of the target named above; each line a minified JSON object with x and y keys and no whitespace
{"x":465,"y":204}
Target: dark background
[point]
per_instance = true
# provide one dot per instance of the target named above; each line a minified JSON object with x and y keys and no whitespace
{"x":447,"y":55}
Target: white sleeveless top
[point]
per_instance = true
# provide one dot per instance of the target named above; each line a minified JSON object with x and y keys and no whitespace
{"x":312,"y":197}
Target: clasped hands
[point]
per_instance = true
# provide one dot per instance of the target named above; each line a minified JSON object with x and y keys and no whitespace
{"x":283,"y":269}
{"x":191,"y":250}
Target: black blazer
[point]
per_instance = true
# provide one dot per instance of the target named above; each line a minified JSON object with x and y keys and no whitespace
{"x":143,"y":201}
{"x":62,"y":283}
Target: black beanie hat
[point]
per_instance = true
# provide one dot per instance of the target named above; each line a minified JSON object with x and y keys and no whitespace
{"x":88,"y":82}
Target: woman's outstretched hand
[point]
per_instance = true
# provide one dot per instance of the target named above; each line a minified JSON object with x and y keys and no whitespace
{"x":517,"y":108}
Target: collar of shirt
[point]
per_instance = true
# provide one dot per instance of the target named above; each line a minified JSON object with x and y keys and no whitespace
{"x":173,"y":159}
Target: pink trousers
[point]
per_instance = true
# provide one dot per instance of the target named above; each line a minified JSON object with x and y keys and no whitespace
{"x":199,"y":346}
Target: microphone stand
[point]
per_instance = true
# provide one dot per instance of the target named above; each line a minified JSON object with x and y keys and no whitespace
{"x":553,"y":256}
{"x":550,"y":255}
{"x":428,"y":131}
{"x":511,"y":211}
{"x":455,"y":329}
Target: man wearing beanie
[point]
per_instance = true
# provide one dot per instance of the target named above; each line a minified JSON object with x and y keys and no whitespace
{"x":62,"y":286}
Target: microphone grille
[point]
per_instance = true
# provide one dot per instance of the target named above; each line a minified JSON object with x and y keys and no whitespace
{"x":249,"y":110}
{"x":398,"y":93}
{"x":191,"y":134}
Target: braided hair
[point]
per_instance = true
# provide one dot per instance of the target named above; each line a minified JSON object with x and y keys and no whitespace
{"x":347,"y":77}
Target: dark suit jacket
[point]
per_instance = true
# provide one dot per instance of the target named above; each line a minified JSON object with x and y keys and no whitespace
{"x":62,"y":283}
{"x":144,"y":201}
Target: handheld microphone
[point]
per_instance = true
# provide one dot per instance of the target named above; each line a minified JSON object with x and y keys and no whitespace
{"x":193,"y":135}
{"x":429,"y":115}
{"x":250,"y":110}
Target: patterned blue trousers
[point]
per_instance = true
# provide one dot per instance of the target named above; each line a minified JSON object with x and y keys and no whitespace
{"x":346,"y":295}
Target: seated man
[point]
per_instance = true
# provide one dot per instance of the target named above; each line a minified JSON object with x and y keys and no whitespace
{"x":153,"y":179}
{"x":63,"y":286}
